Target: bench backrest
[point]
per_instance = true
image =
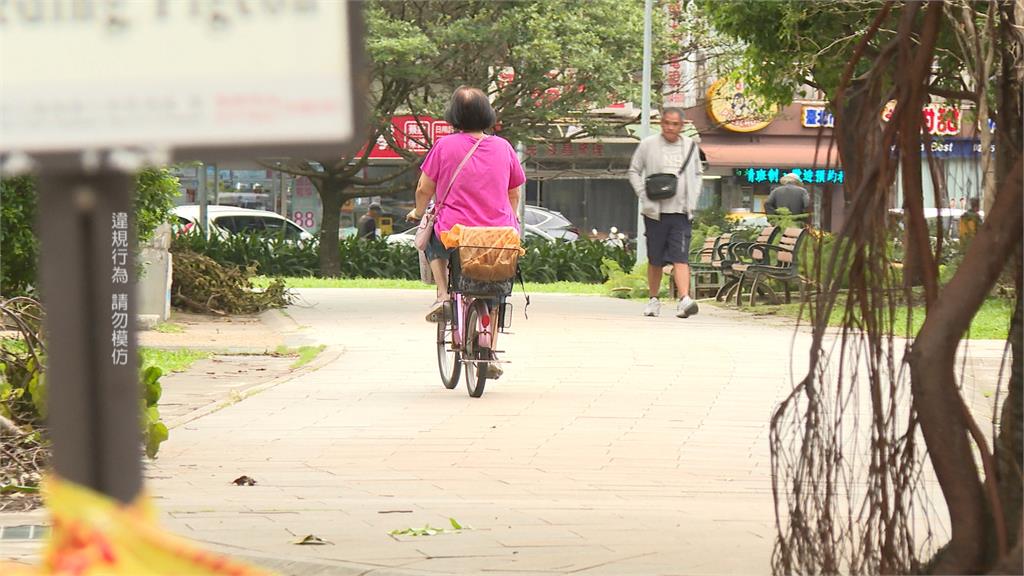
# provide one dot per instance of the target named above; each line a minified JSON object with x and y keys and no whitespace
{"x":721,"y":247}
{"x":707,"y":251}
{"x":765,"y":237}
{"x":790,"y":244}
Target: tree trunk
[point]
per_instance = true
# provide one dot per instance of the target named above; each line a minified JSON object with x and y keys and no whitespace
{"x":330,"y":254}
{"x":1009,"y":135}
{"x":940,"y":408}
{"x":1011,"y":420}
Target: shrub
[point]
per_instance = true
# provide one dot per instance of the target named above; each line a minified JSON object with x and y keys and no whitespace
{"x":18,"y":244}
{"x":155,"y":190}
{"x":578,"y":261}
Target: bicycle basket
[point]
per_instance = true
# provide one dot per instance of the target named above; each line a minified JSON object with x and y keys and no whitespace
{"x":487,"y":254}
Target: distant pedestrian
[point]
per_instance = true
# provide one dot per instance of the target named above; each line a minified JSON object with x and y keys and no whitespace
{"x":970,"y":221}
{"x":668,"y":166}
{"x":790,"y":195}
{"x":368,"y":223}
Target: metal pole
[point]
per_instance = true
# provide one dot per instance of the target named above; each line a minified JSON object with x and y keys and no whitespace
{"x":216,"y":185}
{"x":521,"y":209}
{"x":86,"y":233}
{"x":645,"y":126}
{"x":203,"y":192}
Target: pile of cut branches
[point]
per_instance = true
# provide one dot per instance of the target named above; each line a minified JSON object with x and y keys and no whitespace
{"x":24,"y":450}
{"x":202,"y":285}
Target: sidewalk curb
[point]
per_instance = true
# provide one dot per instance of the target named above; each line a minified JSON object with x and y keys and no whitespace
{"x":329,"y":354}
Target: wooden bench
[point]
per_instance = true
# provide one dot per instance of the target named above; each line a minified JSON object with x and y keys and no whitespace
{"x":777,"y":262}
{"x":705,"y":268}
{"x":706,"y":271}
{"x":741,"y":255}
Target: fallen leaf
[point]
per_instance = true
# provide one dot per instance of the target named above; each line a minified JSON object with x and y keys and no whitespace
{"x":312,"y":540}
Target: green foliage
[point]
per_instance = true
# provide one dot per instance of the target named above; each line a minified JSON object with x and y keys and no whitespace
{"x":412,"y":49}
{"x":270,"y":256}
{"x":155,"y":190}
{"x":154,"y":431}
{"x":378,"y":259}
{"x":622,"y":284}
{"x":578,"y":261}
{"x":18,"y":243}
{"x":23,"y":382}
{"x":176,"y":360}
{"x":788,"y":42}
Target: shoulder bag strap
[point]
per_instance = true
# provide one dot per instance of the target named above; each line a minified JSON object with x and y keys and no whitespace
{"x":440,"y":201}
{"x":688,"y":157}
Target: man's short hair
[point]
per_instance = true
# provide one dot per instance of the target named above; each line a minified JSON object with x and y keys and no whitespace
{"x":374,"y":207}
{"x":470,"y":110}
{"x":791,"y":178}
{"x":673,"y":110}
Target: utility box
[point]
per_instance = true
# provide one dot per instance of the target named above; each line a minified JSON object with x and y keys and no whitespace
{"x":154,"y":282}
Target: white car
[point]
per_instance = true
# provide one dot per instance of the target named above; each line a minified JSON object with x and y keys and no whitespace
{"x":408,"y":237}
{"x":227,"y":220}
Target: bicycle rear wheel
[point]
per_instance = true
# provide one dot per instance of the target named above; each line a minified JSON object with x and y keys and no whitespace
{"x":475,"y":354}
{"x":448,"y":357}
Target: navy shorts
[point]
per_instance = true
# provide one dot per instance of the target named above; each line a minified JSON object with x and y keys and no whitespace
{"x":435,"y":250}
{"x":668,"y":239}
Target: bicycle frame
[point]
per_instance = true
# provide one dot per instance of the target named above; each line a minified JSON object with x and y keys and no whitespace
{"x":461,"y":304}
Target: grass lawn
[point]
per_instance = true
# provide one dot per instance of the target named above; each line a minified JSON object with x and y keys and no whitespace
{"x":171,"y":360}
{"x":531,"y":287}
{"x":992,"y":322}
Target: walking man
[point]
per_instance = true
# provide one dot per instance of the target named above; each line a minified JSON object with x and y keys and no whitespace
{"x":657,"y":160}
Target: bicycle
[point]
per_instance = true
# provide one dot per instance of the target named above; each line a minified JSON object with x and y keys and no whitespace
{"x":467,"y":333}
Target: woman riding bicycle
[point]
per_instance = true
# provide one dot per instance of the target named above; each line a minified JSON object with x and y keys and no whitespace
{"x":484,"y":192}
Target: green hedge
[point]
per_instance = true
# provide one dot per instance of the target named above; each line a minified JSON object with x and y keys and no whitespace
{"x":578,"y":261}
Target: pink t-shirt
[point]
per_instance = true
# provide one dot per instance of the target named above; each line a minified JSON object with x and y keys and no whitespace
{"x":479,"y":196}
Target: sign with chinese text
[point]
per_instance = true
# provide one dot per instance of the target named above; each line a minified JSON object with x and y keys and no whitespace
{"x":730,"y":107}
{"x":205,"y":77}
{"x":412,"y":133}
{"x":807,"y":175}
{"x":939,"y":119}
{"x":817,"y":117}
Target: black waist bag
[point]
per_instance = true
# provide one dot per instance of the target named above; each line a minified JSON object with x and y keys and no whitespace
{"x":662,"y":186}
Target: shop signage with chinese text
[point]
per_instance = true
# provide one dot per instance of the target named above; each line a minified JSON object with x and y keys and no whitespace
{"x":807,"y":175}
{"x":817,"y":117}
{"x":939,"y":119}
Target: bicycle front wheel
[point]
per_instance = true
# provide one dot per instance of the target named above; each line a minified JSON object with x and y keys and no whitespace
{"x":475,"y":354}
{"x":448,"y":357}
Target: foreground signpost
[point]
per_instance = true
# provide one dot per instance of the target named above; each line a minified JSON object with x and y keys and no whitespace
{"x":91,"y":93}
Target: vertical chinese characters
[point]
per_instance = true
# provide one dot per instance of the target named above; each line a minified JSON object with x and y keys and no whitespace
{"x":119,"y":280}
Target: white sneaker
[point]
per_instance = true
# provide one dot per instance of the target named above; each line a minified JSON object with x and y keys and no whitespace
{"x":653,"y":307}
{"x":686,"y":307}
{"x":436,"y":313}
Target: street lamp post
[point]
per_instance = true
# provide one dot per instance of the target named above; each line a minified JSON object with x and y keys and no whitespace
{"x":645,"y":127}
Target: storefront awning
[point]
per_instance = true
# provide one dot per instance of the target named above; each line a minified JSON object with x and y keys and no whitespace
{"x":766,"y":155}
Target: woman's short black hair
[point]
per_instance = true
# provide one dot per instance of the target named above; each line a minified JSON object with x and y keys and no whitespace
{"x":470,"y":110}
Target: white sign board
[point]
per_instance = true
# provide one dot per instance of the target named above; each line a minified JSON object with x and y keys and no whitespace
{"x":209,"y":76}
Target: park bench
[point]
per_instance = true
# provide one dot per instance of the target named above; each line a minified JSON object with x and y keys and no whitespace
{"x":779,"y":262}
{"x":740,"y":255}
{"x":708,"y":265}
{"x":705,"y":266}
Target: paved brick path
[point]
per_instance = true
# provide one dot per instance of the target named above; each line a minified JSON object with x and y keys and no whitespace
{"x":614,"y":444}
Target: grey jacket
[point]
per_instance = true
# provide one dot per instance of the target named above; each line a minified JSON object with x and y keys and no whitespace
{"x":788,"y":196}
{"x":649,"y":158}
